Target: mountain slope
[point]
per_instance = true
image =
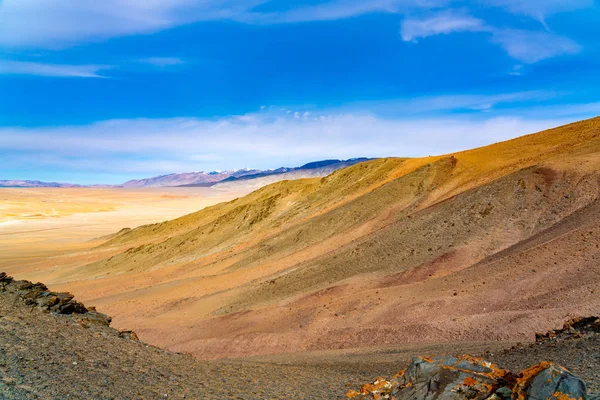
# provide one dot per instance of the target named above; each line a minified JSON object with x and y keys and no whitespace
{"x":386,"y":251}
{"x":317,"y":169}
{"x":186,"y":179}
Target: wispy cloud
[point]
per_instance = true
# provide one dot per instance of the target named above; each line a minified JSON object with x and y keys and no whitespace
{"x":58,"y":23}
{"x":457,"y":102}
{"x":540,"y":9}
{"x":523,"y":45}
{"x":164,"y":146}
{"x":531,"y":47}
{"x":163,"y":61}
{"x":441,"y":23}
{"x":340,"y":9}
{"x":55,"y":70}
{"x":273,"y":137}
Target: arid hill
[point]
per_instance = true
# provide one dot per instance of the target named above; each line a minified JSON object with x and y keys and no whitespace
{"x":494,"y":243}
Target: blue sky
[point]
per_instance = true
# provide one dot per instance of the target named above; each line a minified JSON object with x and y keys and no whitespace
{"x":101,"y":92}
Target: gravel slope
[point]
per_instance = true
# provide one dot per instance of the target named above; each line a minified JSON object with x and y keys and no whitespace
{"x":47,"y":356}
{"x":53,"y":347}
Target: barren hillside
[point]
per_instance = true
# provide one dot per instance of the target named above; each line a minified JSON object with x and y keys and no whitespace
{"x":494,"y":243}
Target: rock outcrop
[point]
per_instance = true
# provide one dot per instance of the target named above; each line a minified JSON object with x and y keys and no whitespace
{"x":548,"y":381}
{"x":573,"y":329}
{"x":469,"y":378}
{"x":38,"y":295}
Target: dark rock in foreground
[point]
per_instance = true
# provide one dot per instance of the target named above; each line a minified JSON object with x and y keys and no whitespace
{"x":461,"y":378}
{"x":469,"y":378}
{"x":548,"y":381}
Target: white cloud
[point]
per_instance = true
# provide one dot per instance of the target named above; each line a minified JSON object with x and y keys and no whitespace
{"x":441,"y":23}
{"x":523,"y":45}
{"x":262,"y":140}
{"x":56,"y":70}
{"x":456,"y":102}
{"x":58,"y":23}
{"x":572,"y":111}
{"x":531,"y":47}
{"x":163,"y":61}
{"x":517,"y":70}
{"x":340,"y":9}
{"x":540,"y":9}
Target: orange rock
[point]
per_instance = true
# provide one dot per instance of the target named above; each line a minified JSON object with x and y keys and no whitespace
{"x":469,"y":381}
{"x":525,"y":377}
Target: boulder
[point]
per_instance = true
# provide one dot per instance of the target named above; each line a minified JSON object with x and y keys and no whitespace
{"x":64,"y":297}
{"x":20,"y":285}
{"x":469,"y":378}
{"x":443,"y":378}
{"x":71,"y":307}
{"x":548,"y":381}
{"x":94,"y":318}
{"x":130,"y":335}
{"x":46,"y":300}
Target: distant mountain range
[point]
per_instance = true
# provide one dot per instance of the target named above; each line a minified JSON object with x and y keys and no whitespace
{"x":310,"y":170}
{"x":206,"y":179}
{"x":34,"y":184}
{"x":188,"y":179}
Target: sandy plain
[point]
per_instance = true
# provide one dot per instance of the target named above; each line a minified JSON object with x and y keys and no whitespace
{"x":37,"y":224}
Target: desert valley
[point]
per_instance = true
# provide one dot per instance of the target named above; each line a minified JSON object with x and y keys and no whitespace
{"x":310,"y":199}
{"x":478,"y":249}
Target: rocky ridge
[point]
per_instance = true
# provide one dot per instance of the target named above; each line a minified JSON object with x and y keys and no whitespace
{"x":573,"y":329}
{"x":62,"y":304}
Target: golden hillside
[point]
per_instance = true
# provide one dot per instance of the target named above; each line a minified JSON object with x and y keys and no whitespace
{"x":388,"y":251}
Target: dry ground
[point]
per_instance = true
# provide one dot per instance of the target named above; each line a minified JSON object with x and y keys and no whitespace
{"x":46,"y":356}
{"x":39,"y":223}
